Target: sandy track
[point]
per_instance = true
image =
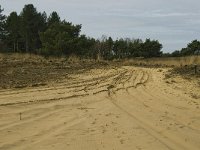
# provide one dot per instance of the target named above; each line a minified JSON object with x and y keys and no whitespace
{"x":111,"y":109}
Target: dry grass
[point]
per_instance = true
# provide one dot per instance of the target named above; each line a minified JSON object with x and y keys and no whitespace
{"x":20,"y":57}
{"x":24,"y":57}
{"x":169,"y":62}
{"x":28,"y":70}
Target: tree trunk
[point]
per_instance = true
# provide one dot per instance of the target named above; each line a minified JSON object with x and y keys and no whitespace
{"x":14,"y":46}
{"x":17,"y":46}
{"x":27,"y":48}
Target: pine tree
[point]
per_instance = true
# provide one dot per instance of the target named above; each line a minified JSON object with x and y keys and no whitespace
{"x":2,"y":24}
{"x":13,"y":29}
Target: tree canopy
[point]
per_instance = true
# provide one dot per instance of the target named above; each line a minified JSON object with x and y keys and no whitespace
{"x":2,"y":24}
{"x":193,"y":48}
{"x":35,"y":32}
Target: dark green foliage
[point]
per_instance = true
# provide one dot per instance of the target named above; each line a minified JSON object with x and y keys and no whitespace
{"x":192,"y":48}
{"x":109,"y":44}
{"x":29,"y":19}
{"x":135,"y":48}
{"x":2,"y":25}
{"x":120,"y":48}
{"x":60,"y":38}
{"x":166,"y":55}
{"x":32,"y":23}
{"x":85,"y":47}
{"x":175,"y":53}
{"x":53,"y":18}
{"x":13,"y":28}
{"x":35,"y":32}
{"x":126,"y":48}
{"x":151,"y":49}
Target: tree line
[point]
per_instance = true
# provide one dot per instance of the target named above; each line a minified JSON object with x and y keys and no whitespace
{"x":36,"y":32}
{"x":193,"y":48}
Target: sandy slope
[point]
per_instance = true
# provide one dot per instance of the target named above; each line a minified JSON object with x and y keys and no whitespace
{"x":123,"y":108}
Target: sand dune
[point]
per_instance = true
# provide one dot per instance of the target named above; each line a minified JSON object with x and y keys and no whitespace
{"x":121,"y":108}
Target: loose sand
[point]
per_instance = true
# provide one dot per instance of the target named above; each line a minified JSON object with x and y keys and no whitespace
{"x":120,"y":108}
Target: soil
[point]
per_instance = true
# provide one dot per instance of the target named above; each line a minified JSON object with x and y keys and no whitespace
{"x":54,"y":104}
{"x":16,"y":73}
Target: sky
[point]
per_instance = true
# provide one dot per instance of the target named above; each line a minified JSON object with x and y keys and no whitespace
{"x":175,"y":23}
